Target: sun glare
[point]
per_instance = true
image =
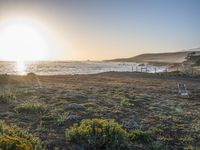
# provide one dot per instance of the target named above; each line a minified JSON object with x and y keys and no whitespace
{"x":20,"y":67}
{"x":22,"y":41}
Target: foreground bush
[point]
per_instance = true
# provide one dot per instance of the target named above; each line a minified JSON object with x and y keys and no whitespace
{"x":98,"y":134}
{"x":13,"y":139}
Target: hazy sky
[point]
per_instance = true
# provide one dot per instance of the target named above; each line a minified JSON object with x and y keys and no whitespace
{"x":104,"y":29}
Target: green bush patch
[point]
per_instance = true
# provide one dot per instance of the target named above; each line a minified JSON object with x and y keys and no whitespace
{"x":106,"y":134}
{"x":140,"y":137}
{"x":98,"y":134}
{"x":11,"y":138}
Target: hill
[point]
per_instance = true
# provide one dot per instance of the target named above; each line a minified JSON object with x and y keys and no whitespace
{"x":171,"y":57}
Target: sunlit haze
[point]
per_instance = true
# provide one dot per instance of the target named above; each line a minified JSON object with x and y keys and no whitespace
{"x":96,"y":30}
{"x":23,"y":41}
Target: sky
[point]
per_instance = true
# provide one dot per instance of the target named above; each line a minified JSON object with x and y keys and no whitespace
{"x":101,"y":29}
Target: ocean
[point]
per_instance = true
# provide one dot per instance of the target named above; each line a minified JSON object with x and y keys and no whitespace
{"x":73,"y":67}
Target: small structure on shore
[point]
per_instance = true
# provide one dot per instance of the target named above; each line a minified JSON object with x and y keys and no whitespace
{"x":182,"y":89}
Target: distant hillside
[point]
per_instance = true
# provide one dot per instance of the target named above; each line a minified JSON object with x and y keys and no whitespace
{"x":174,"y":57}
{"x":193,"y":59}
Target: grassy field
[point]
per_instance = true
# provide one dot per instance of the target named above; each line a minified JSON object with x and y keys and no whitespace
{"x":45,"y":106}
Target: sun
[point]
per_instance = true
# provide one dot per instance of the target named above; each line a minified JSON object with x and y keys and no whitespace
{"x":22,"y":41}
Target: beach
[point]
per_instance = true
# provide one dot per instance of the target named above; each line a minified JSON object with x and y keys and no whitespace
{"x":149,"y":102}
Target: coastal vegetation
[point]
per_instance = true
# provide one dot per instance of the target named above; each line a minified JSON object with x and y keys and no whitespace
{"x":13,"y":138}
{"x":107,"y":134}
{"x":135,"y":110}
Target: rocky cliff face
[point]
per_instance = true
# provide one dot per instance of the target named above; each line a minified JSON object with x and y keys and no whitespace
{"x":193,"y":59}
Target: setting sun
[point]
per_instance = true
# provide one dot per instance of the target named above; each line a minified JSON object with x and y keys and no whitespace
{"x":21,"y":41}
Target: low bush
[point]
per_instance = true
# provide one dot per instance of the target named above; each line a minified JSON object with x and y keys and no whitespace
{"x":98,"y":134}
{"x":126,"y":103}
{"x":31,"y":107}
{"x":106,"y":134}
{"x":140,"y":137}
{"x":11,"y":138}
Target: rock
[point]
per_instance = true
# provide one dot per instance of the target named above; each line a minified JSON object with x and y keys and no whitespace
{"x":80,"y":97}
{"x":4,"y":115}
{"x":31,"y":74}
{"x":73,"y":117}
{"x":130,"y":124}
{"x":90,"y":104}
{"x":77,"y":147}
{"x":157,"y":145}
{"x":75,"y":106}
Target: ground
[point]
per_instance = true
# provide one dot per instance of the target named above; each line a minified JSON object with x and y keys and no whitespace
{"x":47,"y":105}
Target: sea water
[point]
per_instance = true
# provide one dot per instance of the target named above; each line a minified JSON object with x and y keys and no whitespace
{"x":73,"y":67}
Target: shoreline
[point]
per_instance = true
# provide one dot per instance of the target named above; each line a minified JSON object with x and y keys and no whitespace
{"x":161,"y":75}
{"x":150,"y":101}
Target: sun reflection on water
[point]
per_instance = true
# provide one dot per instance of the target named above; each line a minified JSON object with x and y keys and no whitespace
{"x":20,"y":67}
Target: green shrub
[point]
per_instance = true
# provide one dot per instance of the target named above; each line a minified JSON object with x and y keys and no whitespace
{"x":126,"y":103}
{"x":140,"y":137}
{"x":61,"y":118}
{"x":31,"y":107}
{"x":98,"y":134}
{"x":11,"y":138}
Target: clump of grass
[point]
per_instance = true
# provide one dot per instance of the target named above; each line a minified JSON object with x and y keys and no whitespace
{"x":126,"y":103}
{"x":106,"y":134}
{"x":198,"y":115}
{"x":7,"y":97}
{"x":12,"y":138}
{"x":61,"y":118}
{"x":31,"y":107}
{"x":24,"y":91}
{"x":41,"y":127}
{"x":140,"y":136}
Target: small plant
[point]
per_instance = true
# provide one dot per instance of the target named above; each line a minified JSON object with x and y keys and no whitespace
{"x":198,"y":115}
{"x":11,"y":138}
{"x":126,"y":103}
{"x":41,"y":127}
{"x":98,"y":134}
{"x":31,"y":107}
{"x":61,"y":118}
{"x":140,"y":137}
